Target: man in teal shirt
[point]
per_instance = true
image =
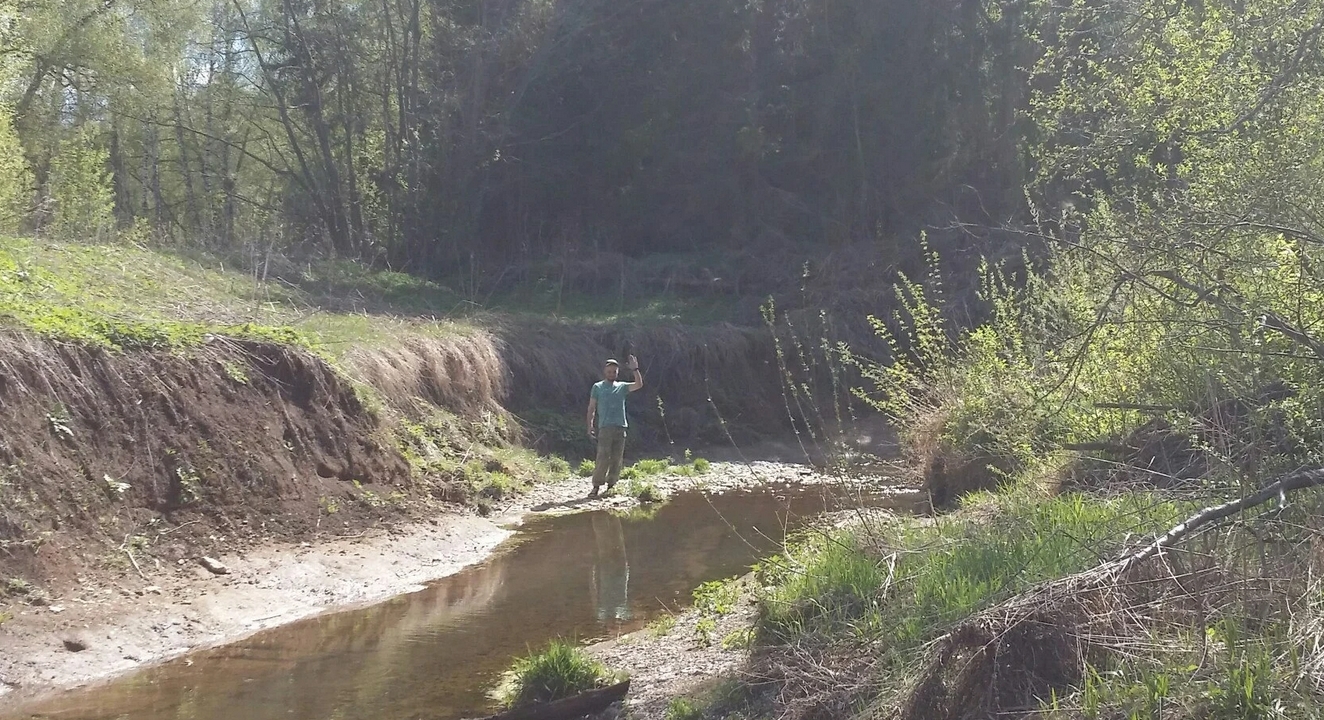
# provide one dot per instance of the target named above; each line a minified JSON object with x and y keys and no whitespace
{"x":607,"y":401}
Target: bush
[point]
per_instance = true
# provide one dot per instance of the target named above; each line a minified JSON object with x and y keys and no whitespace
{"x":558,"y":671}
{"x":585,"y":468}
{"x":645,"y":468}
{"x":700,"y":465}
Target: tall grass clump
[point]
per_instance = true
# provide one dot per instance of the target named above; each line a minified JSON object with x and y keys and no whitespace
{"x":904,"y":581}
{"x":558,"y":671}
{"x":645,"y":491}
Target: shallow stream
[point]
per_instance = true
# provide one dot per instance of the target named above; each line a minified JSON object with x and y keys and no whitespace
{"x":436,"y":653}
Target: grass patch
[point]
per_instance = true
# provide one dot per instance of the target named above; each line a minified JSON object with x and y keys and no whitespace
{"x":906,"y":581}
{"x":645,"y":468}
{"x":585,"y":468}
{"x":1227,"y":674}
{"x":652,"y":467}
{"x":644,"y":491}
{"x":466,"y":458}
{"x":683,"y":709}
{"x":127,"y":297}
{"x":555,"y":672}
{"x":662,"y":626}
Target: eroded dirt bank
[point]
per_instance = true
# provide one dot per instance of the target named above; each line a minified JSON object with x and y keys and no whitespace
{"x":119,"y":471}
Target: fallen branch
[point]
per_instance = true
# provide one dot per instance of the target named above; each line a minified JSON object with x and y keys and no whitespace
{"x":1289,"y":483}
{"x":1097,"y":447}
{"x":1134,"y":406}
{"x":135,"y":564}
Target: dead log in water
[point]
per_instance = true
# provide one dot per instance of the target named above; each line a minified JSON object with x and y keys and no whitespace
{"x":575,"y":706}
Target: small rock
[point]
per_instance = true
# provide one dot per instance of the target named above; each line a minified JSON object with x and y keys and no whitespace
{"x":75,"y":644}
{"x":57,"y":609}
{"x":214,"y":566}
{"x":153,"y":589}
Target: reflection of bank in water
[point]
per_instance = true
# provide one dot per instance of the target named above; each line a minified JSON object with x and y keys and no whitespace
{"x":610,"y":576}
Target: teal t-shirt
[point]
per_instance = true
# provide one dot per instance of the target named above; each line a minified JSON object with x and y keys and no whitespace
{"x":610,"y":396}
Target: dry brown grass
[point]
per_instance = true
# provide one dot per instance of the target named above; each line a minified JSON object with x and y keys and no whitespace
{"x":948,"y":472}
{"x":461,"y":373}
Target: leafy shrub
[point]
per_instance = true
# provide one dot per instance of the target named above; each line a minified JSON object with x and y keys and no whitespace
{"x":585,"y":468}
{"x":80,"y":188}
{"x":15,"y":177}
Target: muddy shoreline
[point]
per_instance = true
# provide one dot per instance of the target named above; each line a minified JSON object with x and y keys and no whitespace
{"x":133,"y":621}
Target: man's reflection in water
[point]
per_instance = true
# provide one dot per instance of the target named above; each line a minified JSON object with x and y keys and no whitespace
{"x":611,"y":568}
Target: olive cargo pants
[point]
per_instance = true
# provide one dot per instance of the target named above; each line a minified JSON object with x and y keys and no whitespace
{"x":611,"y":452}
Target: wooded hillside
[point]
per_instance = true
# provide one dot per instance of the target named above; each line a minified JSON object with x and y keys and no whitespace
{"x":444,"y":135}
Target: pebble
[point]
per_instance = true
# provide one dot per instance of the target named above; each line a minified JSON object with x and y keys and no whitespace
{"x":214,"y":566}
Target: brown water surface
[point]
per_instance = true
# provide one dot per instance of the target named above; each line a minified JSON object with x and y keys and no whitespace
{"x":437,"y":653}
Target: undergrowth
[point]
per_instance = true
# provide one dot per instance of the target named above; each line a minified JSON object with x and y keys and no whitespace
{"x":905,"y":581}
{"x":463,"y":458}
{"x":1067,"y":429}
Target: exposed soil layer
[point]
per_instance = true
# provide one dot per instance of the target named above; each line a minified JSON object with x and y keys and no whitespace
{"x":105,"y":456}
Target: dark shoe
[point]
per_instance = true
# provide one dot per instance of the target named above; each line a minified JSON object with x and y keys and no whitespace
{"x":594,"y":492}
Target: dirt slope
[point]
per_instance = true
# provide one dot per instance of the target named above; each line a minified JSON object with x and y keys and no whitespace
{"x":102,"y":451}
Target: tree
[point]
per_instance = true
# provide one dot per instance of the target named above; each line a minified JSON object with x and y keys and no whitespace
{"x":15,"y":178}
{"x":80,"y":192}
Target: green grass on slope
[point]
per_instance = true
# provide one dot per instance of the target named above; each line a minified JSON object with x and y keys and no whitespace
{"x":903,"y":582}
{"x":392,"y":292}
{"x":125,"y":296}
